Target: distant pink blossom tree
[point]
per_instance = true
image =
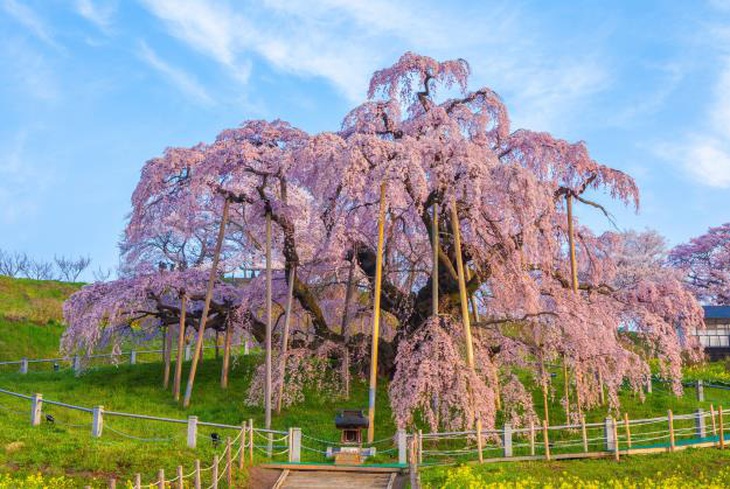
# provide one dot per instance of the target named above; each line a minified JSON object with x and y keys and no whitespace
{"x":705,"y":262}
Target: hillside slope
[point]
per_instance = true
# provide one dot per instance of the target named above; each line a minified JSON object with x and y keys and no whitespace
{"x":31,"y":316}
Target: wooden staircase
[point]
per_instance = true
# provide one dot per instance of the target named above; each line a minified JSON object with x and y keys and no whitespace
{"x":328,"y":479}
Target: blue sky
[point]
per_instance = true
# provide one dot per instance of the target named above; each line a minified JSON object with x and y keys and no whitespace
{"x":90,"y":89}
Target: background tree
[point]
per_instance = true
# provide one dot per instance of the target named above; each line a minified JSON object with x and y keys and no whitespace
{"x":705,"y":261}
{"x":70,"y":268}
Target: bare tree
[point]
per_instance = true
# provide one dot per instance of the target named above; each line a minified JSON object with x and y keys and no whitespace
{"x":39,"y":270}
{"x":101,"y":275}
{"x":12,"y":264}
{"x":70,"y":268}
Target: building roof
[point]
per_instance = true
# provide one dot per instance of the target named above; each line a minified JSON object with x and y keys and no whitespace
{"x":717,"y":312}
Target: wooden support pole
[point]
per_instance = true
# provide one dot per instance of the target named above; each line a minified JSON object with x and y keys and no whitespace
{"x":250,"y":441}
{"x":226,"y":355}
{"x":462,"y":287}
{"x":532,"y":438}
{"x":584,"y":433}
{"x":180,"y":347}
{"x":545,"y":407}
{"x":242,"y":443}
{"x":206,"y":306}
{"x":670,"y":420}
{"x":413,"y":466}
{"x":571,"y":243}
{"x":480,"y":445}
{"x":722,"y":428}
{"x":376,"y":317}
{"x":137,"y":481}
{"x":161,"y":479}
{"x":180,"y":480}
{"x":616,"y":453}
{"x":168,"y":358}
{"x":344,"y":328}
{"x":435,"y":258}
{"x":269,"y":325}
{"x":229,"y":461}
{"x":112,"y":483}
{"x":627,"y":426}
{"x":600,"y":386}
{"x":545,"y":439}
{"x":714,"y":423}
{"x":214,"y":472}
{"x":455,"y":228}
{"x":285,"y":338}
{"x":566,"y":390}
{"x":197,"y":482}
{"x":420,"y":446}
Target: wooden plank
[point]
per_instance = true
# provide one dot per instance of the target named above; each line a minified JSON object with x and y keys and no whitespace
{"x":282,"y":478}
{"x":333,"y":468}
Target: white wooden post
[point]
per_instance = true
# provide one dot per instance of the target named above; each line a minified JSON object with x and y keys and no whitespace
{"x":700,"y":423}
{"x":246,"y":347}
{"x":402,"y":441}
{"x":192,"y":431}
{"x":77,"y":364}
{"x":98,"y":421}
{"x":133,"y":357}
{"x":532,"y":438}
{"x":112,"y":483}
{"x":24,"y":366}
{"x":609,"y":442}
{"x":295,"y":448}
{"x":180,"y":480}
{"x":36,"y":405}
{"x":137,"y":481}
{"x":507,"y":439}
{"x":188,"y":352}
{"x":700,"y":391}
{"x":161,"y":479}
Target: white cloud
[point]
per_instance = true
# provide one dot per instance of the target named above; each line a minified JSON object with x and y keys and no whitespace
{"x":99,"y":13}
{"x":344,"y":41}
{"x":30,"y":20}
{"x":705,"y":156}
{"x":177,"y":77}
{"x":708,"y":160}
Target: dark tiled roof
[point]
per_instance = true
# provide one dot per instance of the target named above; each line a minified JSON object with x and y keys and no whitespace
{"x":717,"y":312}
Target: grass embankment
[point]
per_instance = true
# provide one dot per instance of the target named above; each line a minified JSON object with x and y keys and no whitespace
{"x":31,"y":317}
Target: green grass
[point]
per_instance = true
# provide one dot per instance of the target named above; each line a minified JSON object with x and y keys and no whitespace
{"x":67,"y":449}
{"x":30,"y":326}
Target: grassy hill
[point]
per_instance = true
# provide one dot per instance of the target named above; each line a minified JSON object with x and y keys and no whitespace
{"x":31,"y":317}
{"x":30,"y":326}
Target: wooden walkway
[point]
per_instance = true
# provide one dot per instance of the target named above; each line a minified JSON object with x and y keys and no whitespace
{"x":296,"y":476}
